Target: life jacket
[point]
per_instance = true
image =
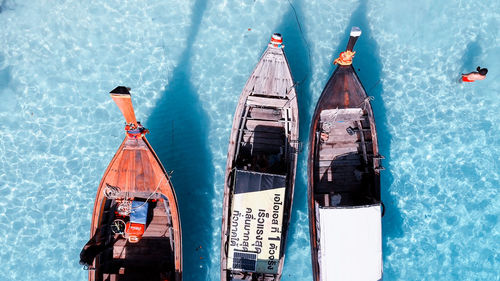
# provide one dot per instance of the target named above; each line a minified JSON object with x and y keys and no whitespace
{"x":466,"y":79}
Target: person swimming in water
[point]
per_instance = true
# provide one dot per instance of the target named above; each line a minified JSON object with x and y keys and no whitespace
{"x":480,"y":74}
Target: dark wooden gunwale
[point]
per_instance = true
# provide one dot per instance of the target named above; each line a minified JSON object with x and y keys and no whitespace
{"x":234,"y":142}
{"x":160,"y":179}
{"x":331,"y":98}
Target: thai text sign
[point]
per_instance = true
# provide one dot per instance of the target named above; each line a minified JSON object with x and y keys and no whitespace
{"x":256,"y":227}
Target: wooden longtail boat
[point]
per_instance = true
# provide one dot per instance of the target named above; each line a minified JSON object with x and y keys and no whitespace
{"x":260,"y":171}
{"x":345,"y":210}
{"x":135,"y":231}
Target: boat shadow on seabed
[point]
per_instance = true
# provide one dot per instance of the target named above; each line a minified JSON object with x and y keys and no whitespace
{"x":297,"y":51}
{"x":179,"y":129}
{"x":369,"y":68}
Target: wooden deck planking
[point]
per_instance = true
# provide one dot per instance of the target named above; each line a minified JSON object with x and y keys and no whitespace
{"x":272,"y":126}
{"x":271,"y":133}
{"x":158,"y":229}
{"x":266,"y":102}
{"x":134,"y":170}
{"x":271,"y":75}
{"x":332,"y":144}
{"x":343,"y":162}
{"x":267,"y":82}
{"x":261,"y":113}
{"x":260,"y":75}
{"x":279,"y":83}
{"x":275,"y":133}
{"x":352,"y":114}
{"x":263,"y":133}
{"x":340,"y":137}
{"x":159,"y":211}
{"x":339,"y":156}
{"x":146,"y":170}
{"x":330,"y":153}
{"x":252,"y":138}
{"x":119,"y":249}
{"x":281,"y":80}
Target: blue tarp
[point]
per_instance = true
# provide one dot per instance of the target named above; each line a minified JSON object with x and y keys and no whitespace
{"x":249,"y":181}
{"x":139,"y":212}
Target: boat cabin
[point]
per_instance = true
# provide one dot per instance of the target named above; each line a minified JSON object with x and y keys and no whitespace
{"x":349,"y":243}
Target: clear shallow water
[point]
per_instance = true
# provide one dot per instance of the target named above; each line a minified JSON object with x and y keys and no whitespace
{"x":187,"y":61}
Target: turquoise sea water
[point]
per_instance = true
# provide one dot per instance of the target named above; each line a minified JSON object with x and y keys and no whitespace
{"x":187,"y":61}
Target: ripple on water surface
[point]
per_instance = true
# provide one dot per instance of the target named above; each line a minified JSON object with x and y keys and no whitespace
{"x":59,"y":128}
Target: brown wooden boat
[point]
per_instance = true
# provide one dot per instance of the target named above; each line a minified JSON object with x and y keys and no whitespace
{"x":344,"y":179}
{"x":260,"y":171}
{"x":136,"y":231}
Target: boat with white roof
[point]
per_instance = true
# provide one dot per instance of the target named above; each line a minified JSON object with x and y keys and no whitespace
{"x":345,"y":209}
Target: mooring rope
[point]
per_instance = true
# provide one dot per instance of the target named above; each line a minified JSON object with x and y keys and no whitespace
{"x":378,"y":82}
{"x":305,"y":42}
{"x":365,"y":101}
{"x":150,"y":195}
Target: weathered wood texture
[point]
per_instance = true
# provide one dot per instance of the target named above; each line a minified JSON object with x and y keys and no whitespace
{"x":343,"y":135}
{"x":265,"y":123}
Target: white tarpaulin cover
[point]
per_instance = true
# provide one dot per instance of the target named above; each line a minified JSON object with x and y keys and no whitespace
{"x":350,"y":246}
{"x":256,"y":222}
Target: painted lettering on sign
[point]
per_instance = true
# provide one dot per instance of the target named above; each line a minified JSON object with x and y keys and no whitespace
{"x":256,"y":227}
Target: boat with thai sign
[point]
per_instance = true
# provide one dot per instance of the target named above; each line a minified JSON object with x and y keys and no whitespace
{"x":345,"y":210}
{"x":135,"y":231}
{"x":260,"y":172}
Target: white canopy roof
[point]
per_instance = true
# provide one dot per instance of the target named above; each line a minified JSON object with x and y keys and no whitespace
{"x":350,"y":243}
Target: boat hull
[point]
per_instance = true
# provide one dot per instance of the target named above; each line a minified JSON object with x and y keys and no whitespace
{"x":135,"y":175}
{"x":344,"y":162}
{"x":265,"y":127}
